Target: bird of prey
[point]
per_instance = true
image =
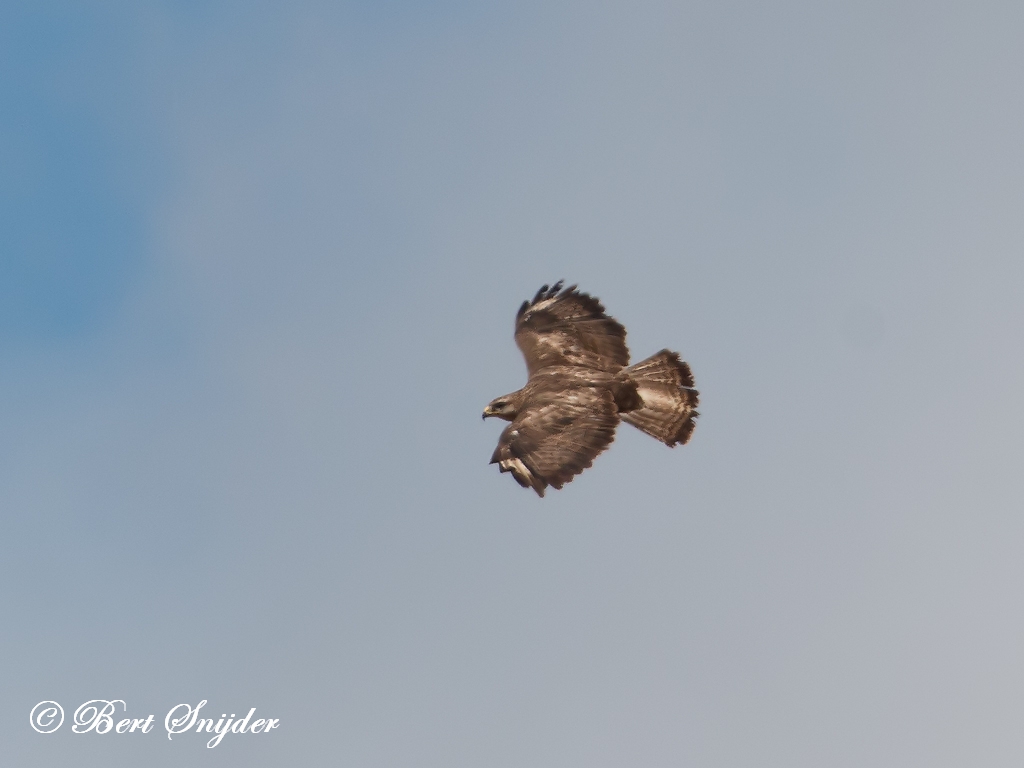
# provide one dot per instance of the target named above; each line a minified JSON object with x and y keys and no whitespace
{"x":579,"y":386}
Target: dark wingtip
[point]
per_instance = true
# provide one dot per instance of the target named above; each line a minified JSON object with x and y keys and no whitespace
{"x":548,"y":292}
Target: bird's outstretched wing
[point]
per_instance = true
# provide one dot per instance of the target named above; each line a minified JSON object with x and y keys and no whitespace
{"x":557,"y":436}
{"x":566,"y":327}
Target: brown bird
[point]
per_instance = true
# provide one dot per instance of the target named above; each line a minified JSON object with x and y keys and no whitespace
{"x":579,"y":387}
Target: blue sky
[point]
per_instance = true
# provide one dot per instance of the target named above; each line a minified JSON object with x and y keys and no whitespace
{"x":72,"y":214}
{"x":259,"y":271}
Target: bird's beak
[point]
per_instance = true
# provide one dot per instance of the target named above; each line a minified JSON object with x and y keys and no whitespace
{"x":487,"y":412}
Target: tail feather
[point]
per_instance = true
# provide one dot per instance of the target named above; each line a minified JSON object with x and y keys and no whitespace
{"x":665,"y":384}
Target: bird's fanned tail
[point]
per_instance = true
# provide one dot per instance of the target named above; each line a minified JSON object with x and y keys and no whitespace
{"x":665,"y":385}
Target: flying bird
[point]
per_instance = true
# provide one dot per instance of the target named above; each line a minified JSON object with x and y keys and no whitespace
{"x":579,"y":387}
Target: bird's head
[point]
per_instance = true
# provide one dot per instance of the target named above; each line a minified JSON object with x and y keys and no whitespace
{"x":501,"y":407}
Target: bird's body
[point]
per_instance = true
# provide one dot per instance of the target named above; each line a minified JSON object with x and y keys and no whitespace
{"x":579,"y":387}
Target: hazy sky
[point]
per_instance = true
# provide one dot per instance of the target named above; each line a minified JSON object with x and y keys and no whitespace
{"x":259,"y":265}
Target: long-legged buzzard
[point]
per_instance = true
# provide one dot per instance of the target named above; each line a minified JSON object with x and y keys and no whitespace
{"x":579,"y":387}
